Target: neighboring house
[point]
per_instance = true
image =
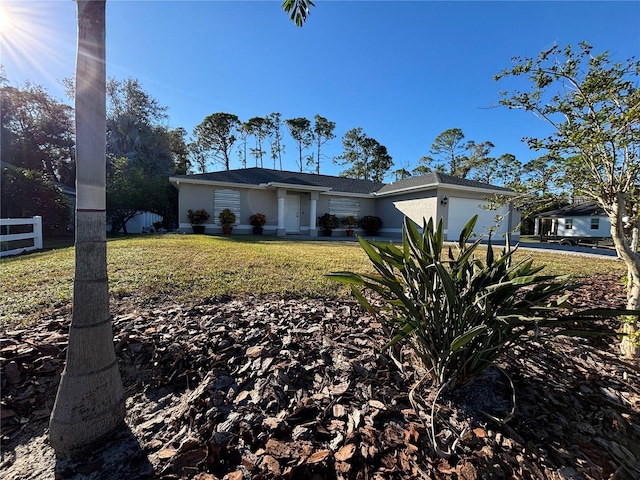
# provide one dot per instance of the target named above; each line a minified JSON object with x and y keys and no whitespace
{"x":584,"y":220}
{"x":292,"y":202}
{"x":141,"y":223}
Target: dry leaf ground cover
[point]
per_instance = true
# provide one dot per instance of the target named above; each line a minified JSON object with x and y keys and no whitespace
{"x":286,"y":382}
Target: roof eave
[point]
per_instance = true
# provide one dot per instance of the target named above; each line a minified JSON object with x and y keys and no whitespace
{"x":195,"y":181}
{"x":309,"y":188}
{"x":350,"y":194}
{"x":449,"y":186}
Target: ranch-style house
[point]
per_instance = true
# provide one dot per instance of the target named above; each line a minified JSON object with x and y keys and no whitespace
{"x":292,"y":201}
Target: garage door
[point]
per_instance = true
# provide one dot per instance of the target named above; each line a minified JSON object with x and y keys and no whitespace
{"x":462,"y":209}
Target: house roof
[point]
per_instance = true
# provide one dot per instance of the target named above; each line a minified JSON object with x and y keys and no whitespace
{"x":434,"y":179}
{"x":582,"y":209}
{"x":259,"y":176}
{"x":265,"y":176}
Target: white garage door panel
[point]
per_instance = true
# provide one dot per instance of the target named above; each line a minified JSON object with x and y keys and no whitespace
{"x":462,"y":209}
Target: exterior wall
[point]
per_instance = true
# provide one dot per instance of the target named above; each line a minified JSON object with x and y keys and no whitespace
{"x":194,"y":197}
{"x":416,"y":206}
{"x":582,"y":227}
{"x":251,"y":201}
{"x":258,"y":201}
{"x":367,"y":207}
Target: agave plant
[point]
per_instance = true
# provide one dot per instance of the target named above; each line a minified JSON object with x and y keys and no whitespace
{"x":458,"y":312}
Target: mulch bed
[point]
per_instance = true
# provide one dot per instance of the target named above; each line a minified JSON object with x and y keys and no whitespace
{"x":265,"y":388}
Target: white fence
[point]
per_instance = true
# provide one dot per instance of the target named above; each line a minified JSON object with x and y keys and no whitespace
{"x":35,"y":236}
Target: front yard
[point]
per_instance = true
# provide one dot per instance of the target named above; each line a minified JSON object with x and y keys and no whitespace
{"x":194,"y":269}
{"x":241,"y":361}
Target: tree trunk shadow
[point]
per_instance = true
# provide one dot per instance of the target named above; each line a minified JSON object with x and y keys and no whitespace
{"x":121,"y":456}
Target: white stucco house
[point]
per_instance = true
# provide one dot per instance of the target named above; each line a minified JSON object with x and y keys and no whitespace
{"x":293,"y":201}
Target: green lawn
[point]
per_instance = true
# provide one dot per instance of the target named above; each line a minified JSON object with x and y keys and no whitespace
{"x":197,"y":268}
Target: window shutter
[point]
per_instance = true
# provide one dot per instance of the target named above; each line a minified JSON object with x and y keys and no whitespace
{"x":341,"y":207}
{"x":223,"y":199}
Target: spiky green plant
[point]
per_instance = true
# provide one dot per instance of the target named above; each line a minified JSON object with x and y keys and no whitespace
{"x":458,"y":312}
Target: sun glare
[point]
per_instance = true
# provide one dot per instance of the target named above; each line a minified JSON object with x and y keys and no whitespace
{"x":30,"y":38}
{"x":5,"y":20}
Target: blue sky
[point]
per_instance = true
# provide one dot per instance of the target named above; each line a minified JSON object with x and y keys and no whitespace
{"x":403,"y":71}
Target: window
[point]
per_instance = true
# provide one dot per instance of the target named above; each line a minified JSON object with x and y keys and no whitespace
{"x":341,"y":207}
{"x":595,"y":224}
{"x":226,"y":199}
{"x":568,"y":224}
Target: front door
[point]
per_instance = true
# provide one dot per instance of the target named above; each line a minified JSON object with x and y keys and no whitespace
{"x":292,"y":213}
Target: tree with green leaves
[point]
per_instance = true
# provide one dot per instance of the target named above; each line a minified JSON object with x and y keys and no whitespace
{"x":259,"y":128}
{"x":322,"y":133}
{"x":244,"y":130}
{"x":542,"y":176}
{"x":301,"y":132}
{"x":26,"y":193}
{"x":179,"y":150}
{"x":198,"y":156}
{"x":478,"y":161}
{"x":139,"y":162}
{"x":506,"y":170}
{"x":127,"y":97}
{"x":591,"y":104}
{"x":90,"y":403}
{"x":216,"y":134}
{"x":36,"y":132}
{"x":450,"y":154}
{"x":275,"y":132}
{"x":298,"y":10}
{"x":127,"y":191}
{"x":447,"y":150}
{"x":366,"y":157}
{"x":402,"y":172}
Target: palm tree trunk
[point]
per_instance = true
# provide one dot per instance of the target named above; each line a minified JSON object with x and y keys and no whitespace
{"x":90,"y":402}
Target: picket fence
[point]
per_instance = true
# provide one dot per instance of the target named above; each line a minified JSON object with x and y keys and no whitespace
{"x":7,"y":238}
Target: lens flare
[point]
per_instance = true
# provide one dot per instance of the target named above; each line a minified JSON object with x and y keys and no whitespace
{"x":30,"y":37}
{"x":5,"y":19}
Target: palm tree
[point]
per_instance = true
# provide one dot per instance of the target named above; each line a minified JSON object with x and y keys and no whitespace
{"x":298,"y":10}
{"x":90,"y":401}
{"x":89,"y":405}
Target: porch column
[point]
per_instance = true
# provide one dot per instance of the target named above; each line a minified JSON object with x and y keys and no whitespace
{"x":313,"y":214}
{"x":281,"y":230}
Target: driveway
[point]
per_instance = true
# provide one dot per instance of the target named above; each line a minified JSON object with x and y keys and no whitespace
{"x":571,"y":250}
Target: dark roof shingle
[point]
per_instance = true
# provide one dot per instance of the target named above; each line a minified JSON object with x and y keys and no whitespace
{"x":257,"y":176}
{"x":582,"y":209}
{"x":436,"y":178}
